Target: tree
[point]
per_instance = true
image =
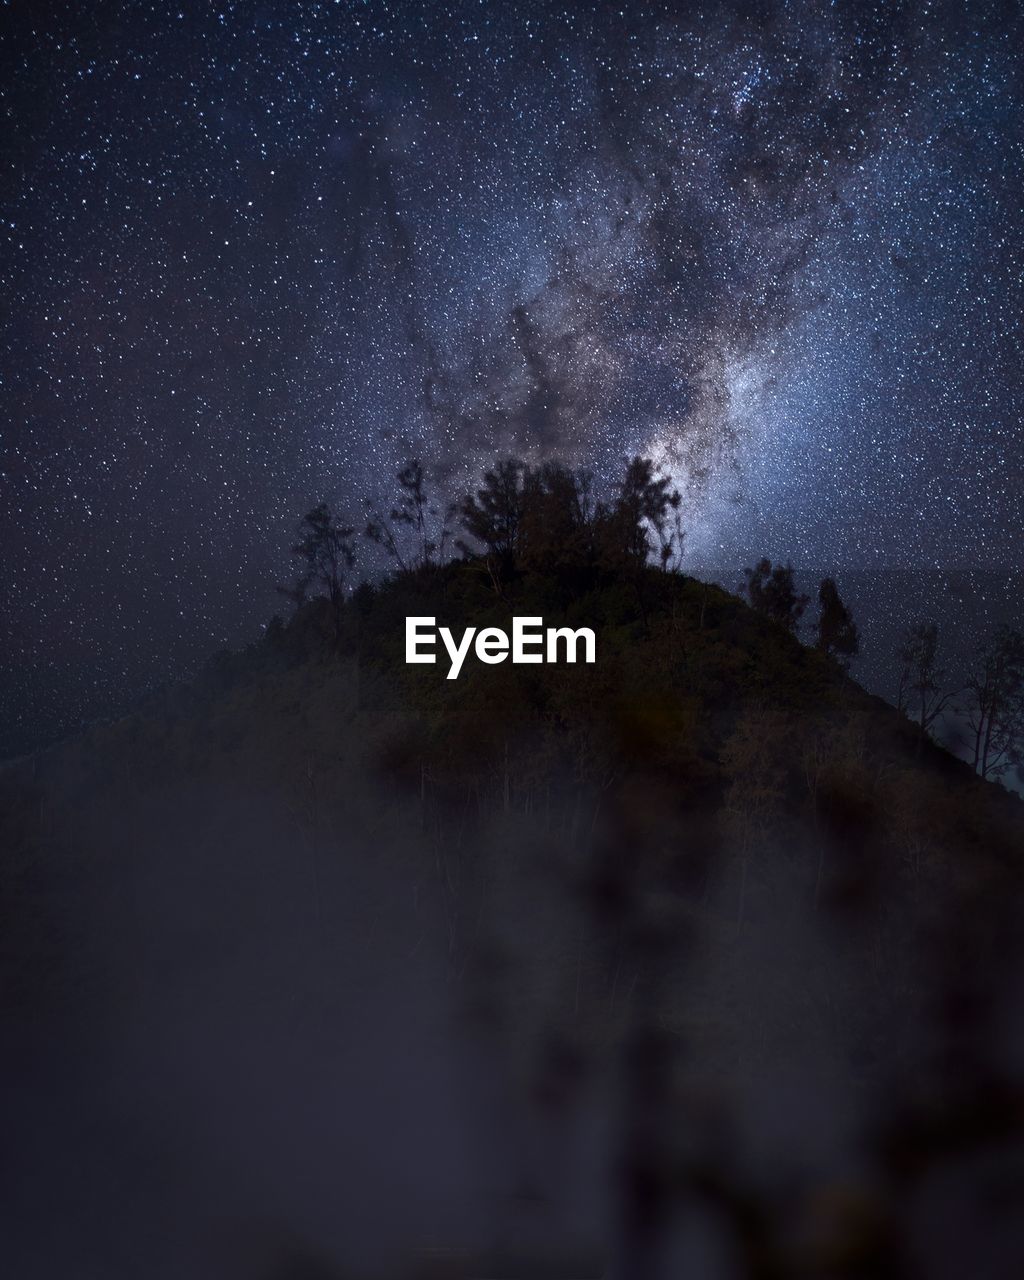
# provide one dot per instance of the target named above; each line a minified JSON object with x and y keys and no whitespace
{"x":325,"y":551}
{"x":494,"y":514}
{"x":995,"y":704}
{"x":556,"y":530}
{"x":920,"y":694}
{"x":428,"y":526}
{"x":772,"y":591}
{"x":643,"y":518}
{"x":837,"y":632}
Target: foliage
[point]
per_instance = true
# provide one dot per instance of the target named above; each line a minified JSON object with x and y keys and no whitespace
{"x":643,"y":520}
{"x":772,"y":591}
{"x":836,"y":631}
{"x":920,"y":692}
{"x":493,"y":515}
{"x":326,"y":552}
{"x":549,"y":518}
{"x":995,"y":704}
{"x":417,"y":532}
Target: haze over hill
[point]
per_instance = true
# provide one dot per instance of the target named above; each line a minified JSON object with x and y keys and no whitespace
{"x":699,"y":953}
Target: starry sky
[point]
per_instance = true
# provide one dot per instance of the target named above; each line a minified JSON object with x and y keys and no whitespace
{"x":256,"y":255}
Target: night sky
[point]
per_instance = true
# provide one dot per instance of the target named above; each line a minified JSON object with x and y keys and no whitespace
{"x":255,"y":255}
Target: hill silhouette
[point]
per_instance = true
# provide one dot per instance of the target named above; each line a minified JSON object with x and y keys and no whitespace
{"x":699,"y":952}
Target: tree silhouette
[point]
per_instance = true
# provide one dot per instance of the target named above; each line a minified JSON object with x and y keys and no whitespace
{"x":920,"y":692}
{"x":643,"y":518}
{"x":557,"y":522}
{"x":494,"y":514}
{"x":547,"y":518}
{"x":326,"y":552}
{"x":995,"y":704}
{"x":772,"y":591}
{"x":427,"y":526}
{"x":836,"y":631}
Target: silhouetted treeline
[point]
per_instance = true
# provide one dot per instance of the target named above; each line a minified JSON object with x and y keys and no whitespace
{"x":571,"y":528}
{"x":548,"y":518}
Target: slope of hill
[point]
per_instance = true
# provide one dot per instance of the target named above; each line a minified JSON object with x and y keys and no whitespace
{"x":698,"y":953}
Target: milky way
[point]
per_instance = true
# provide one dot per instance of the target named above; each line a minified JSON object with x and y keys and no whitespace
{"x":257,"y":255}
